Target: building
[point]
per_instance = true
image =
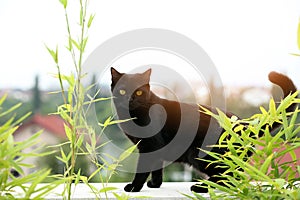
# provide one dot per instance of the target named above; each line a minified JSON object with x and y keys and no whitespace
{"x":53,"y":133}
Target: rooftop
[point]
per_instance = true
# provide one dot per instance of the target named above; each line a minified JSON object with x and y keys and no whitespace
{"x":50,"y":123}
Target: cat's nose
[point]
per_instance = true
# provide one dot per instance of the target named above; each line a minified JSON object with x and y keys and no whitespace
{"x":130,"y":99}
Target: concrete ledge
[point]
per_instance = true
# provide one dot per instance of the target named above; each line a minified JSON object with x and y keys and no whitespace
{"x":168,"y":191}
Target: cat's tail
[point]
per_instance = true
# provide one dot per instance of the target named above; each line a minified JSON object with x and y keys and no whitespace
{"x":288,"y":88}
{"x":286,"y":84}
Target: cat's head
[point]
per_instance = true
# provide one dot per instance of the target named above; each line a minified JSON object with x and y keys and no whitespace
{"x":130,"y":89}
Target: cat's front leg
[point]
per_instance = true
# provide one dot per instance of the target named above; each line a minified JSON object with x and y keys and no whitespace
{"x":137,"y":183}
{"x":140,"y":176}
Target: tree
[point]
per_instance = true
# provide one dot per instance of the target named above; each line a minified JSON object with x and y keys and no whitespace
{"x":36,"y":96}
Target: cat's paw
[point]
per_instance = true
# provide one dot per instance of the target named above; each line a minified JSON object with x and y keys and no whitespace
{"x":196,"y":188}
{"x":131,"y":188}
{"x":150,"y":184}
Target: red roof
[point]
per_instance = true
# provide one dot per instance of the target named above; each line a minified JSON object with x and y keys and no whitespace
{"x":52,"y":123}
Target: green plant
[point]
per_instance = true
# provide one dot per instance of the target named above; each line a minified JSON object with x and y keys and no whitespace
{"x":298,"y":40}
{"x":82,"y":137}
{"x":12,"y":161}
{"x":261,"y":176}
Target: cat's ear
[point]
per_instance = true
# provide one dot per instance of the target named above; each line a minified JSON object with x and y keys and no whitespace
{"x":147,"y":74}
{"x":115,"y":75}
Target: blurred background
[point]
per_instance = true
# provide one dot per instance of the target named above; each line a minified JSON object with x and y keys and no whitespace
{"x":245,"y":40}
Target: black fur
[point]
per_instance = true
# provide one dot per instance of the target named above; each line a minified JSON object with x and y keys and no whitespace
{"x":138,"y":108}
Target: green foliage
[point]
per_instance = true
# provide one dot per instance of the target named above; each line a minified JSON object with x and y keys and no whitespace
{"x":82,"y":138}
{"x":298,"y":39}
{"x":12,"y":161}
{"x":261,"y":176}
{"x":298,"y":36}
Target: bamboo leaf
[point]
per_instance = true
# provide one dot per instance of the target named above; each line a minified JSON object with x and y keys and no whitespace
{"x":94,"y":174}
{"x":78,"y":177}
{"x":107,"y":121}
{"x":287,"y":101}
{"x":263,"y":110}
{"x":252,"y":170}
{"x":80,"y":141}
{"x":293,"y":155}
{"x":40,"y":176}
{"x":217,"y":186}
{"x":83,"y":45}
{"x":64,"y":3}
{"x":265,"y":166}
{"x":127,"y":152}
{"x":193,"y":198}
{"x":295,"y":54}
{"x":223,"y":137}
{"x":112,"y":167}
{"x":287,"y":150}
{"x":81,"y":21}
{"x":298,"y":39}
{"x":272,"y":108}
{"x":118,"y":197}
{"x":75,"y":43}
{"x":21,"y":119}
{"x":91,"y":18}
{"x":3,"y":99}
{"x":10,"y":110}
{"x":53,"y":53}
{"x":6,"y":126}
{"x":68,"y":133}
{"x":97,"y":100}
{"x":107,"y":189}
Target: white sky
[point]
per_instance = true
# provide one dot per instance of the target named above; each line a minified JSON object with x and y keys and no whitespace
{"x":245,"y":39}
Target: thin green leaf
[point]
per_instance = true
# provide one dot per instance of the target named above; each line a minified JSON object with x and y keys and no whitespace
{"x":286,"y":102}
{"x":81,"y":21}
{"x":263,"y":110}
{"x":3,"y":99}
{"x":109,"y":122}
{"x":64,"y":3}
{"x":97,"y":100}
{"x":80,"y":141}
{"x":91,"y":18}
{"x":272,"y":108}
{"x":21,"y":119}
{"x":77,"y":177}
{"x":107,"y":189}
{"x":265,"y":166}
{"x":83,"y":45}
{"x":191,"y":197}
{"x":10,"y":110}
{"x":75,"y":43}
{"x":127,"y":152}
{"x":295,"y":54}
{"x":40,"y":176}
{"x":68,"y":132}
{"x":94,"y":173}
{"x":216,"y":185}
{"x":53,"y":53}
{"x":298,"y":39}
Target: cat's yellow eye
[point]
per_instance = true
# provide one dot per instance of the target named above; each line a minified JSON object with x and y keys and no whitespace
{"x":139,"y":92}
{"x":122,"y":92}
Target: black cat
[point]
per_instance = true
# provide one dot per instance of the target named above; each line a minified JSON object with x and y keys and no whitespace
{"x":156,"y":127}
